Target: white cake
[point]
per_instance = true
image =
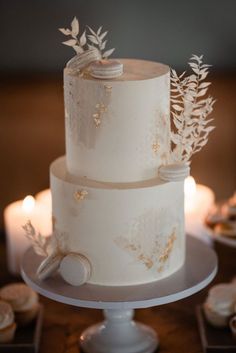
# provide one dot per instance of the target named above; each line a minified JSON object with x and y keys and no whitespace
{"x":118,"y":194}
{"x":129,"y":224}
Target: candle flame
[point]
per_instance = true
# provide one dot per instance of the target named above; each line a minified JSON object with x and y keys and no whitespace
{"x":28,"y":204}
{"x":190,"y":190}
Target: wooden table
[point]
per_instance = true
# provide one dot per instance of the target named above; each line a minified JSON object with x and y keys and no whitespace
{"x":176,"y":322}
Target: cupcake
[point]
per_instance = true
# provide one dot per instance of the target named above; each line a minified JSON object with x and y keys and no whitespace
{"x":7,"y":323}
{"x":219,"y":305}
{"x":23,"y":300}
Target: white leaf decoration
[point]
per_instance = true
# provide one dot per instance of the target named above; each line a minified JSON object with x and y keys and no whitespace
{"x":78,"y":49}
{"x":202,"y":92}
{"x":37,"y":240}
{"x":177,"y":107}
{"x":99,"y":30}
{"x":81,"y":44}
{"x":70,"y":42}
{"x":103,"y":45}
{"x":92,"y":39}
{"x":75,"y":27}
{"x":103,"y":35}
{"x":108,"y":53}
{"x":190,"y":109}
{"x":204,"y":84}
{"x":65,"y":31}
{"x":83,"y":39}
{"x":92,"y":31}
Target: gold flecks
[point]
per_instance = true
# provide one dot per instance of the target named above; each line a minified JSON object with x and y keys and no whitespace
{"x":155,"y":147}
{"x":147,"y":261}
{"x":80,"y":195}
{"x":168,"y":248}
{"x":97,"y":116}
{"x":97,"y":122}
{"x":160,"y":269}
{"x":108,"y":89}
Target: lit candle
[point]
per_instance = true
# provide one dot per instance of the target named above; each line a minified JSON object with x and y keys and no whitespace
{"x":198,"y":201}
{"x":44,"y":198}
{"x":15,"y":216}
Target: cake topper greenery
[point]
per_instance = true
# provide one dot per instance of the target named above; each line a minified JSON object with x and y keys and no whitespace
{"x":190,"y":110}
{"x":93,"y":40}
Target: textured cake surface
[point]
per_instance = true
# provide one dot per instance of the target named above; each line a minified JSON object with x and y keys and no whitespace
{"x":131,"y":233}
{"x":108,"y":203}
{"x":118,"y":130}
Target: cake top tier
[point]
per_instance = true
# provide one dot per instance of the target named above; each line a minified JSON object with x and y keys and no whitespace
{"x":131,"y":97}
{"x":133,"y":70}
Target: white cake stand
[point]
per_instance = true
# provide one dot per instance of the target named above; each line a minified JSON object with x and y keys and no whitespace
{"x":119,"y":333}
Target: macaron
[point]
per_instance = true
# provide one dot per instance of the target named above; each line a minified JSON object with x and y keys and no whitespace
{"x":75,"y":269}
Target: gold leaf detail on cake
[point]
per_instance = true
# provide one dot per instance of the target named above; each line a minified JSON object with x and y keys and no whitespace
{"x":168,"y":248}
{"x":101,"y":108}
{"x":154,"y":253}
{"x":155,"y":147}
{"x":80,"y":195}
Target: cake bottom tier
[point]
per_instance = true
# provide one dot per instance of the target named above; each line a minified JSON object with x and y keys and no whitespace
{"x":131,"y":233}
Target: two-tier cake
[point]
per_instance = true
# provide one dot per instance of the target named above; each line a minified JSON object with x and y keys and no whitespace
{"x":118,"y":194}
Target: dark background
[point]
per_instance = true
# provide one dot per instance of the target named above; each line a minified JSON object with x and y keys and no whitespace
{"x":168,"y":31}
{"x":31,"y":88}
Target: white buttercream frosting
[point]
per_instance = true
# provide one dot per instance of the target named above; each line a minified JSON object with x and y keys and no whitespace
{"x":19,"y":296}
{"x":131,"y":233}
{"x":6,"y":315}
{"x":75,"y":269}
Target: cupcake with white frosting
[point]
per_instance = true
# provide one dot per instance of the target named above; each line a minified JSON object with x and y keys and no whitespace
{"x":7,"y":323}
{"x":220,"y":304}
{"x":24,"y":301}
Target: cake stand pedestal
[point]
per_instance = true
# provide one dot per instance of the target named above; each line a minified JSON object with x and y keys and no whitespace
{"x":119,"y":333}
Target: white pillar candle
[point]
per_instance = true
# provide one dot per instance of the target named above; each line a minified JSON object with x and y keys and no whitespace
{"x":198,"y":201}
{"x":15,"y":216}
{"x":44,"y":198}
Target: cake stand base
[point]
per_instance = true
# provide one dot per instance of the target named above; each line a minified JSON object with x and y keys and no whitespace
{"x":119,"y":334}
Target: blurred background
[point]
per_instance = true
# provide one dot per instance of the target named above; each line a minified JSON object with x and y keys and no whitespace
{"x":31,"y":88}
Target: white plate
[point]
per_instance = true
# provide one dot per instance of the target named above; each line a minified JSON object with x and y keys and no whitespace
{"x":221,"y":238}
